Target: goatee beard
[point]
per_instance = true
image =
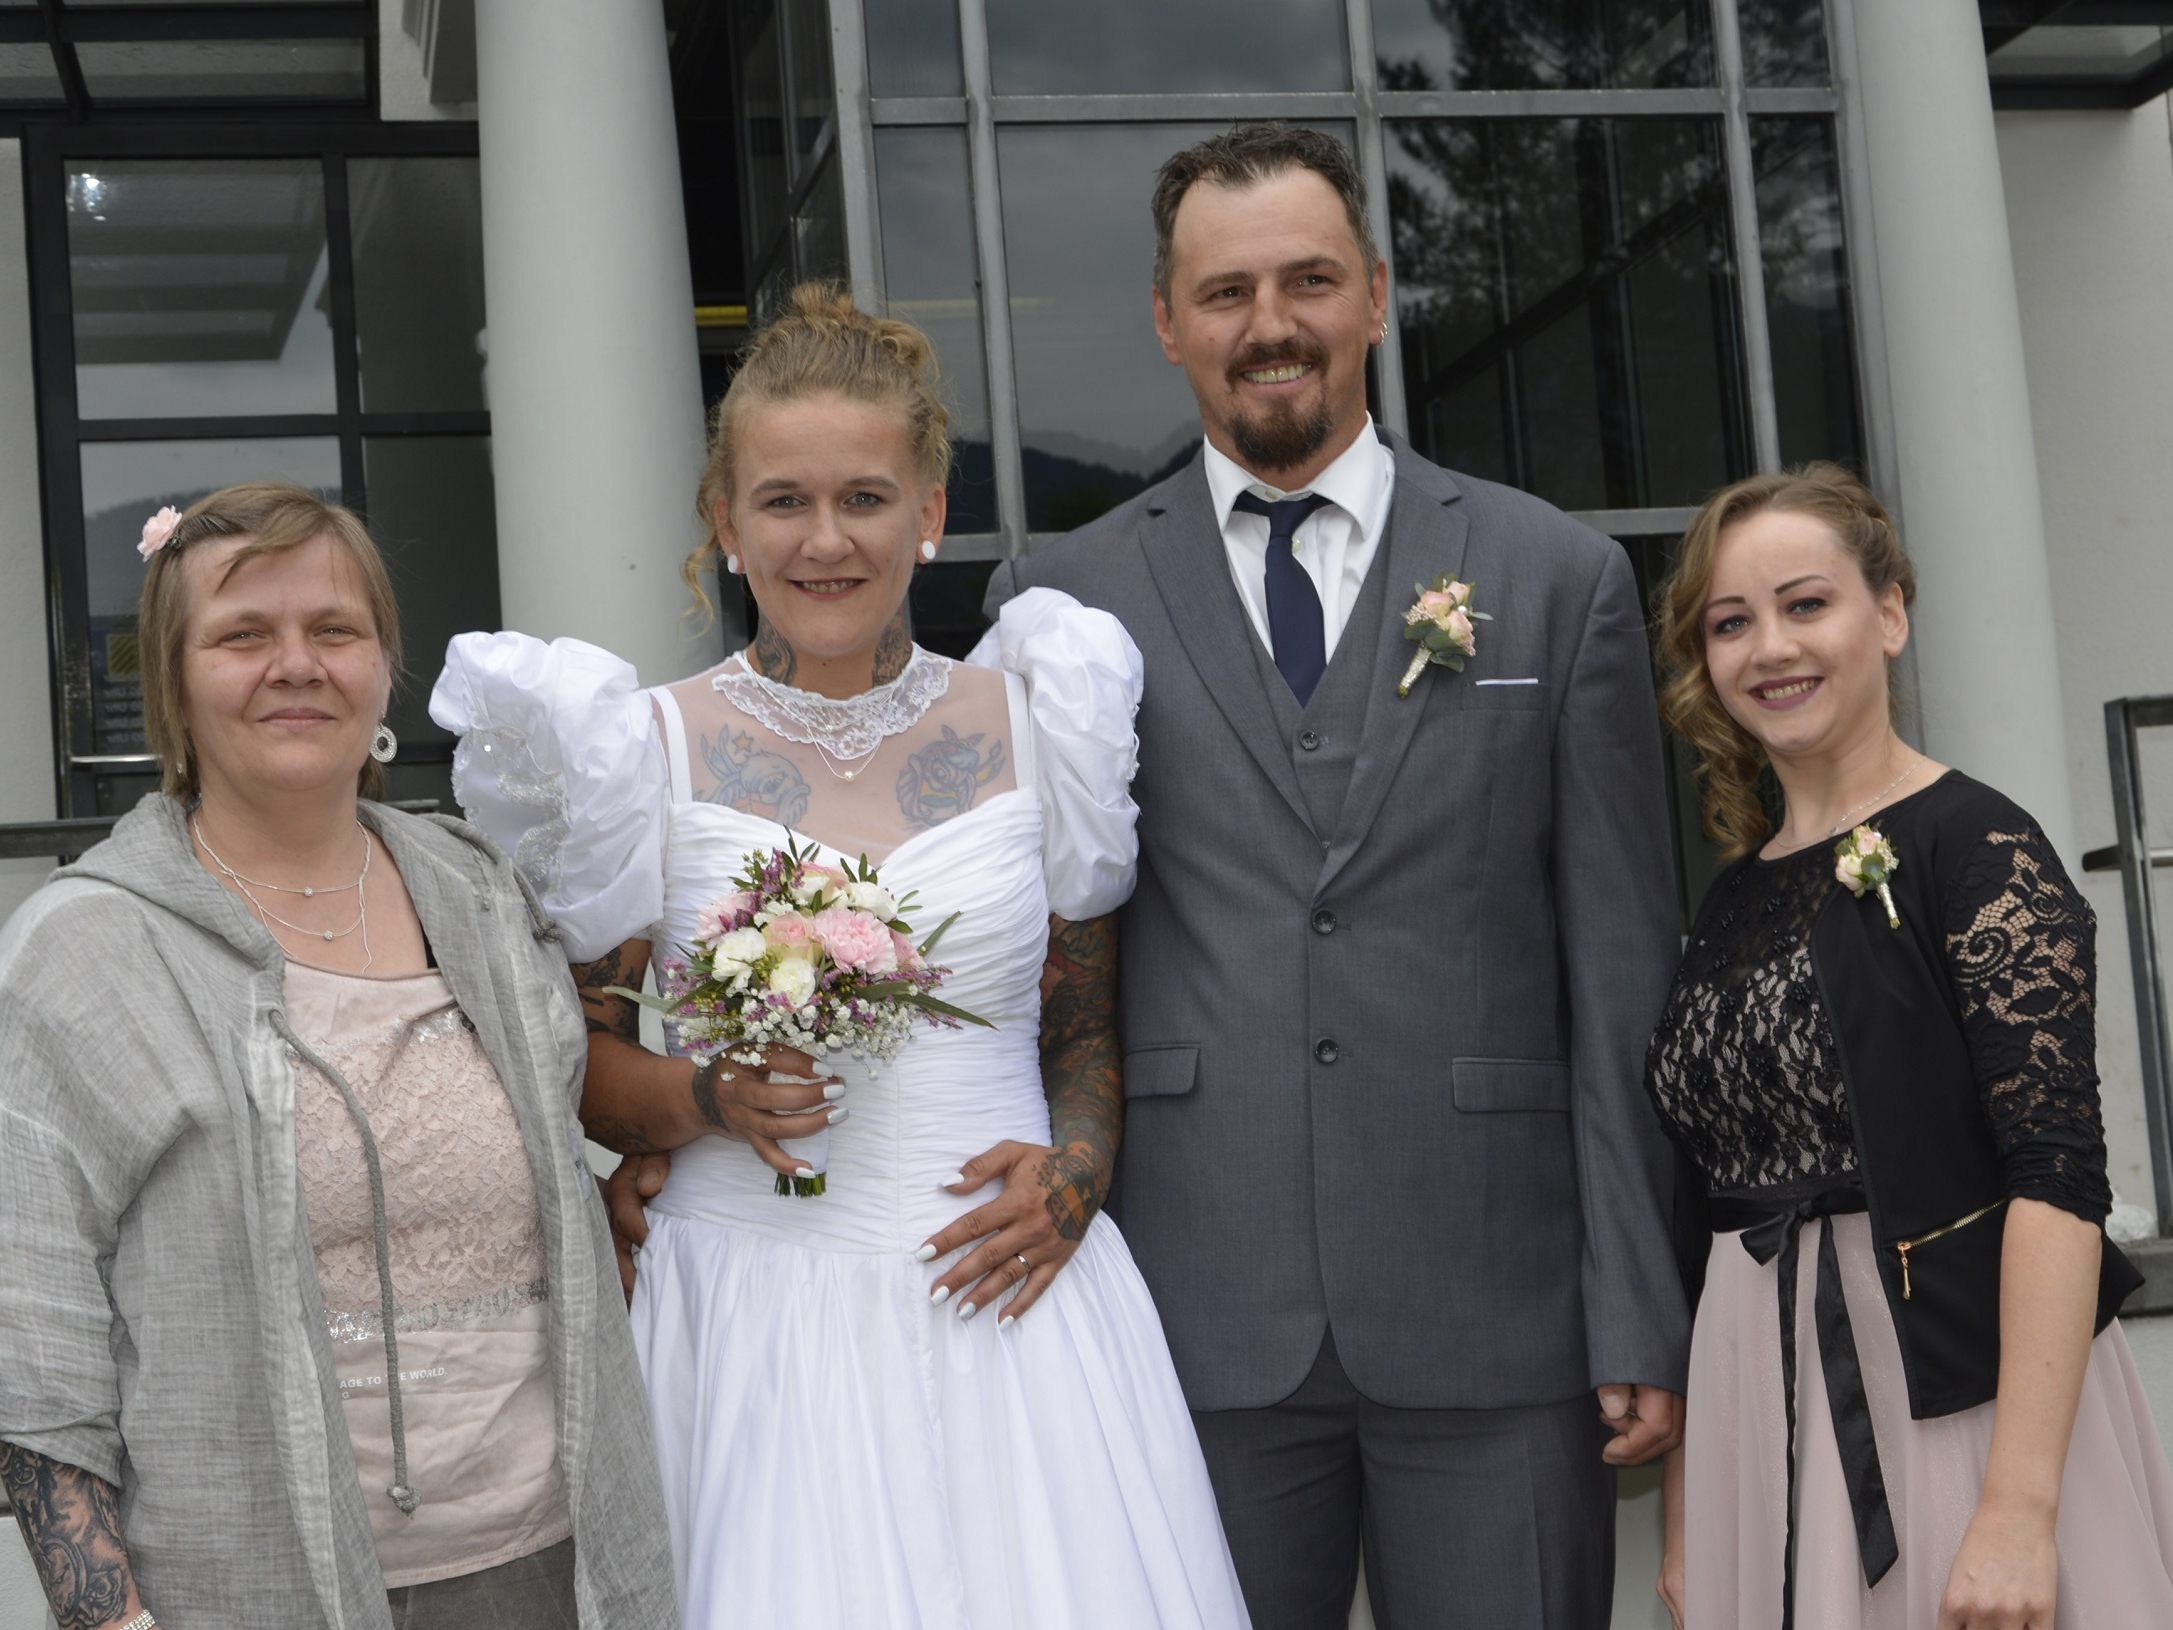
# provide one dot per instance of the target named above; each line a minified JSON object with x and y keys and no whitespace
{"x":1283,"y":437}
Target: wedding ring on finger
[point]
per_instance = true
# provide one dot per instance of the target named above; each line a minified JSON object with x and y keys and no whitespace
{"x":1020,"y":1259}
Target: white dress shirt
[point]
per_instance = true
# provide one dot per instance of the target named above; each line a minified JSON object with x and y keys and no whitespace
{"x":1334,"y":544}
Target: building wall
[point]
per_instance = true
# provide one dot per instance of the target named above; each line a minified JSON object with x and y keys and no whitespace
{"x":26,"y":709}
{"x":2090,"y":217}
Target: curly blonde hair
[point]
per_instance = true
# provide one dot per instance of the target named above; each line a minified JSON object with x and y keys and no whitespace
{"x":822,"y":342}
{"x":1730,"y":763}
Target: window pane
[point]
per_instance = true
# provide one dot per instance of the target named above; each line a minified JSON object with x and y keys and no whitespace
{"x":813,"y":92}
{"x":222,"y":70}
{"x":931,"y":278}
{"x":1152,"y":45}
{"x":1784,"y":42}
{"x":1807,"y":289}
{"x":762,"y":103}
{"x":124,"y":484}
{"x":1498,"y":45}
{"x":27,"y":74}
{"x":1102,"y":414}
{"x":1566,"y":295}
{"x":820,"y":226}
{"x":433,"y":511}
{"x":199,"y":287}
{"x":418,"y":283}
{"x":1697,"y":857}
{"x":913,"y":48}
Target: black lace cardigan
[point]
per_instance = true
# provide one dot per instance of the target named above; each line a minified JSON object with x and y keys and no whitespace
{"x":1946,"y":1065}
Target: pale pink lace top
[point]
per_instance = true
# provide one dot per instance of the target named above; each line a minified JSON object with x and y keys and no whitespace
{"x":467,"y":1271}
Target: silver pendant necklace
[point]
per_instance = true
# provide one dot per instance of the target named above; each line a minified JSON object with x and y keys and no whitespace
{"x":1853,"y":810}
{"x":845,"y":731}
{"x":243,"y":885}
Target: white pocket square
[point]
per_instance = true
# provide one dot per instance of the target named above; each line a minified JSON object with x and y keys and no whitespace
{"x":1532,"y":681}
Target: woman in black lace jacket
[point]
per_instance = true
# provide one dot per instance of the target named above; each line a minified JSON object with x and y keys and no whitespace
{"x":1877,"y":1063}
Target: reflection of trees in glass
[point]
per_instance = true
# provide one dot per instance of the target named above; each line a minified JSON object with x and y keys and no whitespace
{"x":1567,"y":299}
{"x":1784,"y":41}
{"x":1807,"y":289}
{"x":1543,"y":44}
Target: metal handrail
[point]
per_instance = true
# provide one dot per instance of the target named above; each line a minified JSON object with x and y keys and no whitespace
{"x":66,"y":840}
{"x":2136,"y":859}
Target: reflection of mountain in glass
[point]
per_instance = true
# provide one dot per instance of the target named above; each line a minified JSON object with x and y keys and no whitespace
{"x":1069,"y":487}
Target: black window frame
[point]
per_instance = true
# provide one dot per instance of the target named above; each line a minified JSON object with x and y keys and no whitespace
{"x":63,"y":432}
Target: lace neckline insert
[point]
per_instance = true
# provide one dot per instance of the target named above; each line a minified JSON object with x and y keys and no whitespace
{"x":847,"y":727}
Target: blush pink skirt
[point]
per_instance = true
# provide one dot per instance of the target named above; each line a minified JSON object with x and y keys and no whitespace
{"x":2115,"y":1531}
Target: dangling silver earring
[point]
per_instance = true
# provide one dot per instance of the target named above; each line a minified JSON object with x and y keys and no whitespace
{"x":731,"y":564}
{"x":928,"y":549}
{"x":384,"y":744}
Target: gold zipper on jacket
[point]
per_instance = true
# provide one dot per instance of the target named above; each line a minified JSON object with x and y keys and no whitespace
{"x":1904,"y":1246}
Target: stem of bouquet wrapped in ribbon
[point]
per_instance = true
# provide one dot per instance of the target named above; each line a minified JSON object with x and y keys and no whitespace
{"x":808,"y":956}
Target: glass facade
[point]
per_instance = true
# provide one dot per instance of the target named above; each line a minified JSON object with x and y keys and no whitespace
{"x":1621,"y":256}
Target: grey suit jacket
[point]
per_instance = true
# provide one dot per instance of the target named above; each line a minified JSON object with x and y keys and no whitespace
{"x":1387,"y":1079}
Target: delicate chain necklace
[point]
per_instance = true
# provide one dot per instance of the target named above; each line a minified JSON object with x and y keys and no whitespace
{"x":1854,"y":809}
{"x":242,"y":886}
{"x":845,"y":731}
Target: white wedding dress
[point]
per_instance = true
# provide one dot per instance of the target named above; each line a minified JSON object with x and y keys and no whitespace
{"x":836,"y":1450}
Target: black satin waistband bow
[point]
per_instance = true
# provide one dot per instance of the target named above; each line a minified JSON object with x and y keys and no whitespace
{"x":1772,"y":1224}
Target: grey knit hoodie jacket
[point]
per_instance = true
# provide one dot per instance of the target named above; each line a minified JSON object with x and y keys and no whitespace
{"x":160,"y":1324}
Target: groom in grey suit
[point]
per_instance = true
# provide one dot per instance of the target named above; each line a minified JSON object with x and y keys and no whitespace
{"x":1387,"y":981}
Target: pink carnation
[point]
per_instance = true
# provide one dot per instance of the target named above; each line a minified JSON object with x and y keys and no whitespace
{"x":856,"y":940}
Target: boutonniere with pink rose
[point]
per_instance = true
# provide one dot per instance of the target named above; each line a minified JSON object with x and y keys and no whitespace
{"x":1863,"y":861}
{"x":1444,"y":624}
{"x":803,"y":955}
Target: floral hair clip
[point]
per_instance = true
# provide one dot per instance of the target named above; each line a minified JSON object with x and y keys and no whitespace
{"x":1863,"y":862}
{"x":157,"y":530}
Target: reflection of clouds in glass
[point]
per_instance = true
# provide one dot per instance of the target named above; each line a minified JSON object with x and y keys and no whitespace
{"x":1152,"y":45}
{"x":1079,"y":245}
{"x":1542,"y":44}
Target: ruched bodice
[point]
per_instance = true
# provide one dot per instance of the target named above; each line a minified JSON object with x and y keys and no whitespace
{"x":949,"y":1094}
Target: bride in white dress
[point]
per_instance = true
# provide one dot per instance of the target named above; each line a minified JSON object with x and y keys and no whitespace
{"x":936,"y":1395}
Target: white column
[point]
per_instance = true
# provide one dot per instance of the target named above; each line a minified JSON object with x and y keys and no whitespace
{"x":595,"y":390}
{"x":1970,"y":512}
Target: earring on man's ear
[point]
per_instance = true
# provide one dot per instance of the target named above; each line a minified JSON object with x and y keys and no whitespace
{"x":384,"y":744}
{"x":928,"y":549}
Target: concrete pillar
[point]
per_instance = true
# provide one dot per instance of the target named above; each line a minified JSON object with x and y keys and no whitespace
{"x":595,"y":388}
{"x":1986,"y":663}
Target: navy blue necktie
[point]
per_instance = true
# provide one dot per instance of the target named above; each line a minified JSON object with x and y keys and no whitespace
{"x":1295,"y":626}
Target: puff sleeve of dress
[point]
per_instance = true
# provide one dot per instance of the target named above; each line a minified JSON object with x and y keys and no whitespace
{"x":559,"y":761}
{"x":1083,"y":678}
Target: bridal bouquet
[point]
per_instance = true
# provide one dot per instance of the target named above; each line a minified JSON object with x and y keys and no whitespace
{"x":808,"y":956}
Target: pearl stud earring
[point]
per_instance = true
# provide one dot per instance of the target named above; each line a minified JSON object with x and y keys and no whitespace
{"x":928,"y":549}
{"x":731,"y":564}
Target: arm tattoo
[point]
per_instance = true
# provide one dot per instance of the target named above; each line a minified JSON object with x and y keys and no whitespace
{"x":1080,"y":1069}
{"x":772,"y":655}
{"x":756,"y":781}
{"x":611,"y":1015}
{"x":621,"y":1136}
{"x":895,"y":649}
{"x":72,"y":1523}
{"x":941,"y":780}
{"x":705,"y":1091}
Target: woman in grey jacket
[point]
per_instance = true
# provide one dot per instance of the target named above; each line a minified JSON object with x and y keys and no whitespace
{"x":308,"y":1314}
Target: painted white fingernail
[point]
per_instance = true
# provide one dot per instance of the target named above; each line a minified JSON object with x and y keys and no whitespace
{"x":967,"y":1311}
{"x":1007,"y":1321}
{"x":838,"y":1114}
{"x":927,"y":1253}
{"x":942,"y":1295}
{"x":803,"y":1171}
{"x":952,"y":1181}
{"x":834,"y":1090}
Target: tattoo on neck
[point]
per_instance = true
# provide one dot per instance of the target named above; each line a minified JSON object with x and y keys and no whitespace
{"x":895,"y":649}
{"x":772,"y":655}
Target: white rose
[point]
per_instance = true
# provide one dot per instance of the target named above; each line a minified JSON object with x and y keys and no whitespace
{"x":794,"y":980}
{"x":872,"y":898}
{"x":742,"y":946}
